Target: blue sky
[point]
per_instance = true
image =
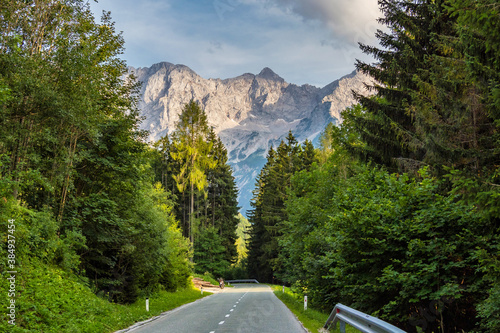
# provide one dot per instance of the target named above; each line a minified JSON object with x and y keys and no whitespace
{"x":303,"y":41}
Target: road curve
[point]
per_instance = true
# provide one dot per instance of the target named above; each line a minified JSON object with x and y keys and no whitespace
{"x":246,"y":308}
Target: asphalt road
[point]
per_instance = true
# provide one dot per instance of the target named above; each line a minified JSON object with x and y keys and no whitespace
{"x":246,"y":308}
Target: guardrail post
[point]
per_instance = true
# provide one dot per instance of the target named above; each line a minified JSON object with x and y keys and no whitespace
{"x":342,"y":327}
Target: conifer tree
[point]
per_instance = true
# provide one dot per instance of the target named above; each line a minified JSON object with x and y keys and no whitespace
{"x":388,"y":123}
{"x":191,"y":150}
{"x":258,"y":267}
{"x":479,"y":39}
{"x":434,"y":99}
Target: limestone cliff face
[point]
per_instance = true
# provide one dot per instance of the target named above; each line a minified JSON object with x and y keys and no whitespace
{"x":249,"y":112}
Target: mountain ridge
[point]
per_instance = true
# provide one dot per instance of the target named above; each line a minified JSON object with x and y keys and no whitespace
{"x":249,"y":112}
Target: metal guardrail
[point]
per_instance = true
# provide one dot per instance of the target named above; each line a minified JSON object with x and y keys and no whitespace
{"x":359,"y":320}
{"x":242,"y":281}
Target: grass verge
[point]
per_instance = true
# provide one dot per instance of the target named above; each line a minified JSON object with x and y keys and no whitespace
{"x":313,"y":320}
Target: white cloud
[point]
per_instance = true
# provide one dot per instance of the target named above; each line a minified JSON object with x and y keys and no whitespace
{"x":352,"y":21}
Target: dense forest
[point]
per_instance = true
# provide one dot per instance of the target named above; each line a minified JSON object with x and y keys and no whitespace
{"x":397,"y":214}
{"x":80,"y":188}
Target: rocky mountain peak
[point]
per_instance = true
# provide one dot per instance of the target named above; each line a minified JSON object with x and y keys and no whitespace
{"x":267,"y":74}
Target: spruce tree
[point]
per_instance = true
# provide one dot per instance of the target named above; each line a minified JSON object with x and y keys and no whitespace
{"x":388,"y":124}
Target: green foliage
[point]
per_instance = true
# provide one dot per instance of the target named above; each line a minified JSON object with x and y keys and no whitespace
{"x":431,"y":105}
{"x":436,"y":104}
{"x":242,"y":238}
{"x":479,"y":34}
{"x":222,"y":199}
{"x":386,"y":245}
{"x":489,"y":308}
{"x":209,"y":253}
{"x":419,"y":249}
{"x":190,"y":149}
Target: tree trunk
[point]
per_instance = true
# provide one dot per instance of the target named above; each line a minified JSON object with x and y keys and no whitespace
{"x":191,"y":215}
{"x":72,"y":151}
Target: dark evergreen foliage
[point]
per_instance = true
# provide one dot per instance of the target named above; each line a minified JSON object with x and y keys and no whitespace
{"x":268,"y":204}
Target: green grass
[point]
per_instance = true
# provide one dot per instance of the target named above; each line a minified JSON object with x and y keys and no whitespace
{"x":51,"y":300}
{"x":313,"y":320}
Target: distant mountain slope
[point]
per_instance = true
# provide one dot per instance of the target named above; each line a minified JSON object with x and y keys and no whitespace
{"x":249,"y":112}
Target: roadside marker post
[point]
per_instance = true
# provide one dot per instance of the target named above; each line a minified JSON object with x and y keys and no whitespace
{"x":202,"y":290}
{"x":147,"y":304}
{"x":305,"y":302}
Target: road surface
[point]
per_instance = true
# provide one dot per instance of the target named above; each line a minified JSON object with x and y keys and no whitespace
{"x":246,"y":308}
